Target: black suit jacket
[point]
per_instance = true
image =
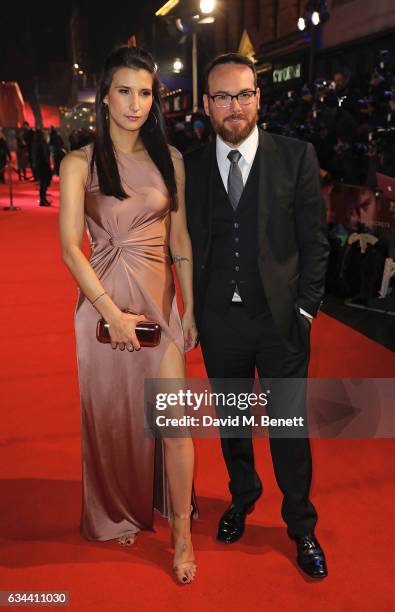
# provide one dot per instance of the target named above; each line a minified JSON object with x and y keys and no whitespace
{"x":292,"y":232}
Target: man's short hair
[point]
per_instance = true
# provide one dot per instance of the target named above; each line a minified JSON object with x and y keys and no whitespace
{"x":229,"y":58}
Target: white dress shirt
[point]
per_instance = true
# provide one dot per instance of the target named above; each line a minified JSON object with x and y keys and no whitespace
{"x":247,"y":149}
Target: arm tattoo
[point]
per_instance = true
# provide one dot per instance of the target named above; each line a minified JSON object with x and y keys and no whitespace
{"x":178,"y":259}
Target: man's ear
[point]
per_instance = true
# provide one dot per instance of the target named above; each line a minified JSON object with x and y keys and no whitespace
{"x":206,"y":105}
{"x":258,"y":97}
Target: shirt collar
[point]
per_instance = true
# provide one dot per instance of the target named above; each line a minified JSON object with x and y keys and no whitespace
{"x":248,"y":147}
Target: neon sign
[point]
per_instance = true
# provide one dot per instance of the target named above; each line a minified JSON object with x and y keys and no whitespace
{"x":282,"y":75}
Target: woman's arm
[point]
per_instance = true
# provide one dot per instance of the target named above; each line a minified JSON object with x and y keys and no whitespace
{"x":73,"y":175}
{"x":181,"y":250}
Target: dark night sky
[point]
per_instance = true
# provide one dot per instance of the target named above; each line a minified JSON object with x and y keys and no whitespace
{"x":36,"y":35}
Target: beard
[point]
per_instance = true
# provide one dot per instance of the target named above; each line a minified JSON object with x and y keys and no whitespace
{"x":234,"y":134}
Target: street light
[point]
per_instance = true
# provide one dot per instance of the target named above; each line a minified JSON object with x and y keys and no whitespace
{"x":301,"y":24}
{"x":207,"y":6}
{"x":186,"y":23}
{"x":315,"y":13}
{"x":208,"y":19}
{"x":315,"y":18}
{"x":177,"y":65}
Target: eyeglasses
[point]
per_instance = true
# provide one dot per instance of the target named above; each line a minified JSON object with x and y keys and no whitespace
{"x":224,"y":100}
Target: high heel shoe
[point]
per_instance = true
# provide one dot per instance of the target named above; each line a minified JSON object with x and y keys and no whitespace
{"x":185,"y":571}
{"x":128,"y":539}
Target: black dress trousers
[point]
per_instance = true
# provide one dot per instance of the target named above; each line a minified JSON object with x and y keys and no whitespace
{"x":234,"y":345}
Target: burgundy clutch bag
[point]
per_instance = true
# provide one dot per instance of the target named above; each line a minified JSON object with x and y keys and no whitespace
{"x":148,"y":332}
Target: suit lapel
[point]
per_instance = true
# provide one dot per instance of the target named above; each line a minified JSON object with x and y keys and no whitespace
{"x":208,"y":169}
{"x":268,"y":167}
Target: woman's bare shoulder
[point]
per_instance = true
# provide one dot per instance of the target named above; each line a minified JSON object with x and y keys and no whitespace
{"x":178,"y":162}
{"x":75,"y":162}
{"x":175,"y":153}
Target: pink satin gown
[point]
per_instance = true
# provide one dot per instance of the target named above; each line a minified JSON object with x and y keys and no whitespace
{"x":123,"y":469}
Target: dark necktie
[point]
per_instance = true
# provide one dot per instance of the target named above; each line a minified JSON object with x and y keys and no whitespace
{"x":235,"y":178}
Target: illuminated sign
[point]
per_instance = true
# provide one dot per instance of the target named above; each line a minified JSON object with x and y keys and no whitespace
{"x":282,"y":75}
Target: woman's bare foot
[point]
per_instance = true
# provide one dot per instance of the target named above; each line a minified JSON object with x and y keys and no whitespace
{"x":128,"y":539}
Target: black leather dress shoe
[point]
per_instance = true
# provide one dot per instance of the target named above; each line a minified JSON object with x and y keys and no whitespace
{"x":311,"y":558}
{"x":232,"y":523}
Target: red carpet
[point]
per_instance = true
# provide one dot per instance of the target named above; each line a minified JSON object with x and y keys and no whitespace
{"x":41,"y":549}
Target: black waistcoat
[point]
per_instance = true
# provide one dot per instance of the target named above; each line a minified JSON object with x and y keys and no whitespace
{"x":234,"y":248}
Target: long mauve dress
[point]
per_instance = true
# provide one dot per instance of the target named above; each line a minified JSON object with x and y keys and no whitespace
{"x":123,"y":469}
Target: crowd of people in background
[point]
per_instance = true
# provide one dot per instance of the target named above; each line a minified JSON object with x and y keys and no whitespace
{"x":40,"y":150}
{"x":350,"y":121}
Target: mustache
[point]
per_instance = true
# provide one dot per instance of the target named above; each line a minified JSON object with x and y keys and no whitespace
{"x":235,"y":116}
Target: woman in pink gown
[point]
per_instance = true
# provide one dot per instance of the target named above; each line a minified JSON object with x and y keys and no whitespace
{"x":127,"y":190}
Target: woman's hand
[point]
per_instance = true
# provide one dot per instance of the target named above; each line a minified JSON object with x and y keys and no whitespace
{"x":122,"y":331}
{"x":190,"y":331}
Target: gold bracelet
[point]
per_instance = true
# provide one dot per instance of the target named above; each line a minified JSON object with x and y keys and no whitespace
{"x":98,"y":297}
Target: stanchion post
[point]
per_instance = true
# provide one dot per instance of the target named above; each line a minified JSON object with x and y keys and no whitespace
{"x":10,"y":191}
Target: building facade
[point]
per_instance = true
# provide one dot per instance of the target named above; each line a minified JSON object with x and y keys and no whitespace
{"x":267,"y":31}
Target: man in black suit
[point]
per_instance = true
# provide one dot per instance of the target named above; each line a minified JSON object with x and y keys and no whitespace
{"x":257,"y":225}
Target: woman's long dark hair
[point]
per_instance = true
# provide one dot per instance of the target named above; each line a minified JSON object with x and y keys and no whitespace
{"x":152,"y":133}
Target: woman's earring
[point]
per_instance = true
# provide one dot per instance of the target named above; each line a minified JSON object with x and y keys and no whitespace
{"x":151,"y":130}
{"x":106,"y":111}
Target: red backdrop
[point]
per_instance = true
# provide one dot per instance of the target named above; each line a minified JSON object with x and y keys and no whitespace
{"x":50,"y":115}
{"x":11,"y":104}
{"x":13,"y":109}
